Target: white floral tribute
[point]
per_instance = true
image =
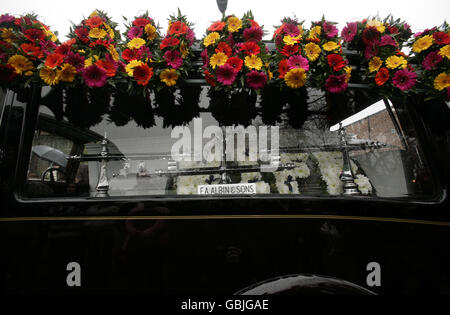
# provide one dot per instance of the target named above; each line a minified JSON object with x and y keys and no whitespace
{"x":330,"y":165}
{"x":286,"y":180}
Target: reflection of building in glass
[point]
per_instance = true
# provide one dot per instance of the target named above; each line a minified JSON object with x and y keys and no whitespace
{"x":376,"y":127}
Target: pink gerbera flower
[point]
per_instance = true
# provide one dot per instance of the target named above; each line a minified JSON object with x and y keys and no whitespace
{"x":253,"y":34}
{"x":226,"y":74}
{"x":404,"y":79}
{"x":291,"y":29}
{"x":371,"y":50}
{"x":336,"y":83}
{"x":349,"y":31}
{"x":256,"y":79}
{"x":94,"y":76}
{"x":298,"y":61}
{"x":134,"y":32}
{"x":75,"y":60}
{"x":431,"y":60}
{"x":387,"y":40}
{"x":173,"y":58}
{"x":330,"y":30}
{"x":205,"y":58}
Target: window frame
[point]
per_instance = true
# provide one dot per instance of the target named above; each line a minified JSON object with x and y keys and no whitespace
{"x":424,"y":139}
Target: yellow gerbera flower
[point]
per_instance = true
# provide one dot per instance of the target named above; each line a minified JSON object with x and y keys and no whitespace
{"x":67,"y":73}
{"x":253,"y":62}
{"x":97,"y":33}
{"x":135,"y":43}
{"x":20,"y":63}
{"x":329,"y":46}
{"x":211,"y":39}
{"x":234,"y":24}
{"x":49,"y":76}
{"x":8,"y":35}
{"x":130,"y":67}
{"x":312,"y":51}
{"x":315,"y":32}
{"x":94,"y":13}
{"x":348,"y":73}
{"x":295,"y":78}
{"x":300,"y":28}
{"x":393,"y":62}
{"x":290,"y":40}
{"x":377,"y":24}
{"x":445,"y":51}
{"x":150,"y":31}
{"x":422,"y":43}
{"x":169,"y":77}
{"x":375,"y":64}
{"x":113,"y":52}
{"x":442,"y":81}
{"x":218,"y":60}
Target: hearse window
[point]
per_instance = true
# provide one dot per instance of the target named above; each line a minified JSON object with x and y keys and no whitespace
{"x":357,"y":145}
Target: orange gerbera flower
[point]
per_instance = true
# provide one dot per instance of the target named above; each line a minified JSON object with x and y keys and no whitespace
{"x":54,"y":60}
{"x":94,"y":21}
{"x":32,"y":51}
{"x":382,"y":76}
{"x":107,"y":66}
{"x":178,"y":28}
{"x":216,"y":26}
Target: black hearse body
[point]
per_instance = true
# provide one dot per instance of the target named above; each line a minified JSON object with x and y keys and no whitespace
{"x":162,"y":243}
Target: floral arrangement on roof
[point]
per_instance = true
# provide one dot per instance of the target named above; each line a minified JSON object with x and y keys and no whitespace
{"x":92,"y":62}
{"x":328,"y":65}
{"x":291,"y":69}
{"x":136,"y":78}
{"x":142,"y":39}
{"x":174,"y":66}
{"x":25,"y":43}
{"x":235,"y":63}
{"x":431,"y":51}
{"x":379,"y":44}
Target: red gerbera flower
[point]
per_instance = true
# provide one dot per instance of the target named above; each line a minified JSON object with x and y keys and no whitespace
{"x":94,"y":21}
{"x":109,"y":67}
{"x":130,"y":54}
{"x":216,"y":26}
{"x":100,"y":42}
{"x":283,"y":68}
{"x":370,"y":35}
{"x":82,"y":34}
{"x":250,"y":48}
{"x":178,"y":28}
{"x":224,"y":48}
{"x":142,"y":74}
{"x":169,"y":42}
{"x":382,"y":76}
{"x":65,"y":47}
{"x":253,"y":34}
{"x":236,"y":63}
{"x":441,"y":38}
{"x":336,"y":62}
{"x":289,"y":50}
{"x":33,"y":34}
{"x":32,"y":51}
{"x":54,"y":60}
{"x":141,"y":22}
{"x":392,"y":30}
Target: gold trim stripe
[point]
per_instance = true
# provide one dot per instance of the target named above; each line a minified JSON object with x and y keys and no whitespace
{"x":222,"y":217}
